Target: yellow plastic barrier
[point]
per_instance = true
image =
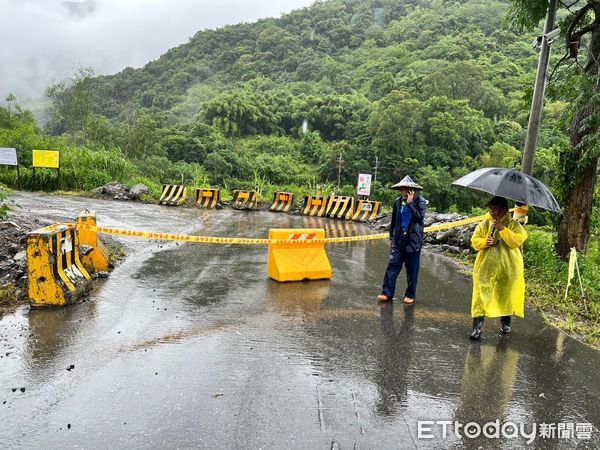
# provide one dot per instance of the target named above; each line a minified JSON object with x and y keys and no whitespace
{"x":55,"y":274}
{"x":304,"y":259}
{"x":340,"y":207}
{"x":366,"y":211}
{"x":315,"y":205}
{"x":282,"y":201}
{"x":244,"y":200}
{"x":173,"y":195}
{"x":208,"y":198}
{"x":95,"y":260}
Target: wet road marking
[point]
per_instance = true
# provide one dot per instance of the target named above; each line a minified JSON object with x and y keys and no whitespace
{"x":320,"y":410}
{"x":357,"y":413}
{"x":177,"y":337}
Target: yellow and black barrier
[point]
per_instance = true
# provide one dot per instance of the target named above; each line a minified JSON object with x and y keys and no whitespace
{"x":315,"y":205}
{"x":340,"y":207}
{"x":96,"y":259}
{"x":305,"y":260}
{"x":208,"y":198}
{"x":244,"y":200}
{"x":366,"y":211}
{"x":173,"y":195}
{"x":55,"y":274}
{"x":282,"y":201}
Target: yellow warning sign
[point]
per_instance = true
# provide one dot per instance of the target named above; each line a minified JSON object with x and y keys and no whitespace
{"x":49,"y":159}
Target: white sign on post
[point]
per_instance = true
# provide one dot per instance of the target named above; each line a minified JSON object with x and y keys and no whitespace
{"x":8,"y":157}
{"x":364,"y":184}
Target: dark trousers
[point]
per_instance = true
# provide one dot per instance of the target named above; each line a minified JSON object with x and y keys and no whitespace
{"x":399,"y":257}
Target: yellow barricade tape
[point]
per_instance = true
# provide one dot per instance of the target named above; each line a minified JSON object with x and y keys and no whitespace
{"x":458,"y":223}
{"x":226,"y":240}
{"x":257,"y":241}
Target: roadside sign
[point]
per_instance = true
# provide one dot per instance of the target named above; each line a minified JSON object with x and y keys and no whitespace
{"x":364,"y":184}
{"x":49,"y":159}
{"x":8,"y":157}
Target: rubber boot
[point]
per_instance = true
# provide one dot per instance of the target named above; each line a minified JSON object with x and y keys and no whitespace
{"x":477,"y":328}
{"x":505,"y":324}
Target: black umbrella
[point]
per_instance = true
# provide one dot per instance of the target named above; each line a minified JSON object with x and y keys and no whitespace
{"x":510,"y":184}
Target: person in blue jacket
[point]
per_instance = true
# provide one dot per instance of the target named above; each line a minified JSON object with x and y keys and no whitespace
{"x":406,"y":240}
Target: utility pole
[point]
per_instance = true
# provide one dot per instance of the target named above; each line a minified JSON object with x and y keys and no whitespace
{"x":340,"y":162}
{"x":535,"y":115}
{"x":375,"y":168}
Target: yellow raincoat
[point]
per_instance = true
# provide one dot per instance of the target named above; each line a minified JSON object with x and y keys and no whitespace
{"x":498,"y":279}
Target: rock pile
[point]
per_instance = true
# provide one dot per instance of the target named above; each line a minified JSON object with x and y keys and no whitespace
{"x":119,"y":192}
{"x":454,"y":240}
{"x":13,"y":258}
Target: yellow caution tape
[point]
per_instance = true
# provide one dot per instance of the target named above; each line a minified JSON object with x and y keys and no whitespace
{"x":458,"y":223}
{"x":226,"y":240}
{"x":257,"y":241}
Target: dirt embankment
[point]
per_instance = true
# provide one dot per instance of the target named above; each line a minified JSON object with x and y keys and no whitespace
{"x":13,"y":259}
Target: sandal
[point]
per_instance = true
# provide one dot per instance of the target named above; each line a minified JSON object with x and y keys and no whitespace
{"x":408,"y":300}
{"x":382,"y":298}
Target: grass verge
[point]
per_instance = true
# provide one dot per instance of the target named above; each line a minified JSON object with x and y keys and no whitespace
{"x":546,"y":282}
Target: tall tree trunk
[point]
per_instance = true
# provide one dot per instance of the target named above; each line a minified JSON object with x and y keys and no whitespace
{"x":574,"y":229}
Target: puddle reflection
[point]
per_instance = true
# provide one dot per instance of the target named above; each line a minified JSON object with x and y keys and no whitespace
{"x":391,"y":376}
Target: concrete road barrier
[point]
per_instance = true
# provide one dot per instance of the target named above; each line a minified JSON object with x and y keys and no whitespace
{"x":282,"y":201}
{"x":366,"y":211}
{"x":95,"y":258}
{"x":173,"y":195}
{"x":340,"y":207}
{"x":208,"y":198}
{"x":55,"y":274}
{"x":315,"y":205}
{"x":244,"y":200}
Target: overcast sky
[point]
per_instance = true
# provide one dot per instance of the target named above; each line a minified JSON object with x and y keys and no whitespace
{"x":43,"y":41}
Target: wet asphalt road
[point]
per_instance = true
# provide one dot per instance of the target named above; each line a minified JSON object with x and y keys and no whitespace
{"x":188,"y":346}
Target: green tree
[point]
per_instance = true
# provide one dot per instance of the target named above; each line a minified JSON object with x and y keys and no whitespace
{"x":579,"y":160}
{"x":453,"y":130}
{"x":72,"y":103}
{"x":500,"y":155}
{"x":139,"y":136}
{"x":10,"y":99}
{"x":466,"y":80}
{"x":218,"y":167}
{"x":241,"y":113}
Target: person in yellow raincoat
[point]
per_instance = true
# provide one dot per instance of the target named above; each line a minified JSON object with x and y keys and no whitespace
{"x":498,"y":278}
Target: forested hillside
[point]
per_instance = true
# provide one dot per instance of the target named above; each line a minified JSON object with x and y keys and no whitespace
{"x":432,"y":88}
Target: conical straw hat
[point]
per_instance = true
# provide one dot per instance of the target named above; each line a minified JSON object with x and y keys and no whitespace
{"x":407,"y":182}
